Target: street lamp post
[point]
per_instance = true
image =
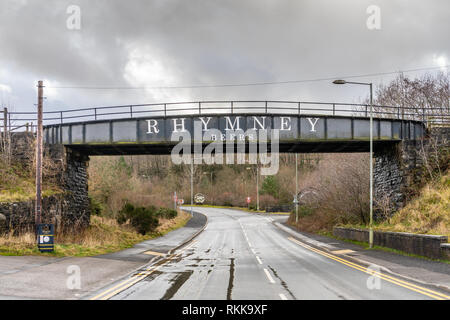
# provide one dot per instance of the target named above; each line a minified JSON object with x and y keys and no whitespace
{"x":371,"y":152}
{"x":257,"y":186}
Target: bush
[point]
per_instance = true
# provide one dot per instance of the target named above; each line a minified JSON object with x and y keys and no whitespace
{"x":166,"y":213}
{"x":142,"y":219}
{"x":96,"y":206}
{"x":271,"y":186}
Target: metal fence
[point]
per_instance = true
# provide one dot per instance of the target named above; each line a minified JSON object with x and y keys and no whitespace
{"x":27,"y":120}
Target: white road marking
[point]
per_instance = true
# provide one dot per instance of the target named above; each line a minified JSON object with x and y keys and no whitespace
{"x":269,"y":276}
{"x":259,"y":260}
{"x":283,"y":297}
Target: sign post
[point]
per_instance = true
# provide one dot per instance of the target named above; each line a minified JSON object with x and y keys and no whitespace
{"x":175,"y":199}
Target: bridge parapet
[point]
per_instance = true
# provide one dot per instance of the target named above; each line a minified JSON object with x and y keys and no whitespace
{"x":293,"y":130}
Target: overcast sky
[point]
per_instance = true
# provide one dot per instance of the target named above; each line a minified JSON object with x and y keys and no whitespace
{"x":207,"y":42}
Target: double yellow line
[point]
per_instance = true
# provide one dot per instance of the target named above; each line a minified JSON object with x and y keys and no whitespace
{"x":404,"y":284}
{"x":107,"y":294}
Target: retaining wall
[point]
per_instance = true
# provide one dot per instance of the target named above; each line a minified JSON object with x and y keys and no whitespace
{"x":421,"y":244}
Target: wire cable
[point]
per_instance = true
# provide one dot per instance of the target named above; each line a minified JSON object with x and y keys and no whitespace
{"x":246,"y":84}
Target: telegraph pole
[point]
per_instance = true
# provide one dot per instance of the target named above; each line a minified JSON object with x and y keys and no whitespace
{"x":296,"y":188}
{"x":192,"y":183}
{"x":38,"y":210}
{"x":257,"y":186}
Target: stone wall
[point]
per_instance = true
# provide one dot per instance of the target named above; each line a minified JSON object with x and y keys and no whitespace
{"x":22,"y":147}
{"x":399,"y":168}
{"x":74,"y":182}
{"x":421,"y":244}
{"x":69,"y":169}
{"x":19,"y":216}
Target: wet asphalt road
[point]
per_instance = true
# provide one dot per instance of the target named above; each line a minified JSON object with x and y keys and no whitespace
{"x":244,"y":256}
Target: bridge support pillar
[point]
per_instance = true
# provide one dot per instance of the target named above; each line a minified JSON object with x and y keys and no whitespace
{"x":74,"y":182}
{"x":395,"y":172}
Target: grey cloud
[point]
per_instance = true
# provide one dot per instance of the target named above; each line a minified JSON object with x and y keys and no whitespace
{"x":212,"y":41}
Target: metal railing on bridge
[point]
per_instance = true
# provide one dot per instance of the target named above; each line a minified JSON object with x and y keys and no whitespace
{"x":26,"y":120}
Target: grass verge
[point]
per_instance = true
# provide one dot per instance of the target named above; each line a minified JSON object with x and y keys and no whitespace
{"x":104,"y":235}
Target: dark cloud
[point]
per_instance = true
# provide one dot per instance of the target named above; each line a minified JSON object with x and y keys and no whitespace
{"x":172,"y":43}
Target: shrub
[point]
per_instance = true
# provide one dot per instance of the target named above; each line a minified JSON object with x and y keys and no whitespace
{"x":271,"y":187}
{"x":142,"y":219}
{"x":166,"y":213}
{"x":96,"y":206}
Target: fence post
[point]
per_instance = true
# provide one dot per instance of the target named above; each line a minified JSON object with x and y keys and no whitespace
{"x":199,"y":108}
{"x":95,"y":113}
{"x":334,"y":107}
{"x":266,"y":107}
{"x":231,"y":107}
{"x":5,"y":123}
{"x":299,"y":108}
{"x":131,"y":111}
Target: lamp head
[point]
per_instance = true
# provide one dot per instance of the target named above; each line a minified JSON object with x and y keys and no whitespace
{"x":339,"y":82}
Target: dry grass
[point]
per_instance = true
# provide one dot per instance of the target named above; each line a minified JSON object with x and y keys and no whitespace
{"x":427,"y":214}
{"x":17,"y":183}
{"x":104,"y":235}
{"x":321,"y":221}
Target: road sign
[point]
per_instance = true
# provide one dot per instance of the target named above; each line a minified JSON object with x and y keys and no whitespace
{"x":180,"y":202}
{"x":199,"y":198}
{"x":249,"y":199}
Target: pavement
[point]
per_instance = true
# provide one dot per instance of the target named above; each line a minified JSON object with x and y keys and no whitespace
{"x":35,"y":277}
{"x":251,"y":256}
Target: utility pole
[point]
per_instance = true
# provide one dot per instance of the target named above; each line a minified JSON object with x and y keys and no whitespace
{"x":38,"y":210}
{"x":371,"y":169}
{"x":296,"y":188}
{"x":257,"y":186}
{"x":192,"y":183}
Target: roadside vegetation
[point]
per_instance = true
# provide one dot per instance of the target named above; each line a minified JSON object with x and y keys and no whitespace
{"x":104,"y":235}
{"x":429,"y":213}
{"x":17,"y":182}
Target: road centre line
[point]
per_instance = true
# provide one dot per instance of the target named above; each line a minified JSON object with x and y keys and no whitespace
{"x":407,"y":285}
{"x":269,"y":276}
{"x":259,"y":260}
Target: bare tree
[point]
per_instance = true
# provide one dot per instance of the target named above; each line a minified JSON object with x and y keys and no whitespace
{"x":426,"y":97}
